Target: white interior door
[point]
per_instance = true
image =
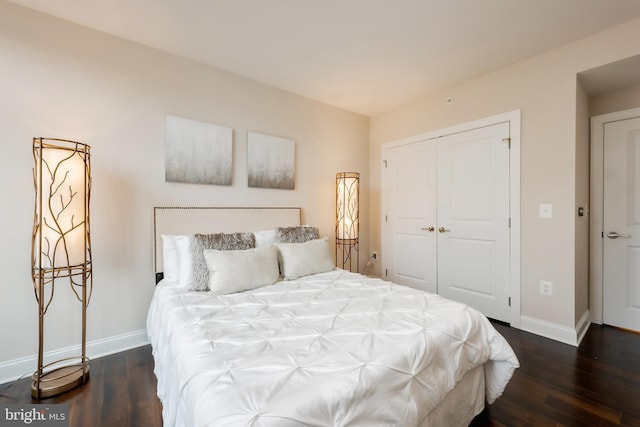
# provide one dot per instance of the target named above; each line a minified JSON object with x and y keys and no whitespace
{"x":409,"y":196}
{"x":621,"y":259}
{"x":473,"y":219}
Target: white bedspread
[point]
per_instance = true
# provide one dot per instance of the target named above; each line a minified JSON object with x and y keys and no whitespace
{"x":333,"y":349}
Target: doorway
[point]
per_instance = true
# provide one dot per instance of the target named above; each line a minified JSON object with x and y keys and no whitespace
{"x":615,"y":226}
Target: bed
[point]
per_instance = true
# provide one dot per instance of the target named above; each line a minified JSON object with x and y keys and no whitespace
{"x":320,"y":347}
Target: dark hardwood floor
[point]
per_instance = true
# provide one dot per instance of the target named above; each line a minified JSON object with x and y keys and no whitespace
{"x":597,"y":384}
{"x":121,"y":392}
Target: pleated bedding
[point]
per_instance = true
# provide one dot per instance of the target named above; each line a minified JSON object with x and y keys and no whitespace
{"x":329,"y":349}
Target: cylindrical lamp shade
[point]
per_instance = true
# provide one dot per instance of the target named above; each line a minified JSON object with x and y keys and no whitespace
{"x":347,"y":205}
{"x":62,"y":181}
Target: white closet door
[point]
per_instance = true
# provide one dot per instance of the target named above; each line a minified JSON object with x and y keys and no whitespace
{"x":621,"y":267}
{"x":473,"y":219}
{"x":409,"y":209}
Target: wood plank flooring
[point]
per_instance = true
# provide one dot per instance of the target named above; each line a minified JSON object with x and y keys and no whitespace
{"x":597,"y":384}
{"x":121,"y":392}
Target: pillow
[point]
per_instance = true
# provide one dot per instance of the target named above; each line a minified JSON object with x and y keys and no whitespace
{"x":169,"y":258}
{"x":302,"y":259}
{"x":296,"y":234}
{"x":185,"y":261}
{"x":220,"y":241}
{"x":265,"y":238}
{"x":241,"y":270}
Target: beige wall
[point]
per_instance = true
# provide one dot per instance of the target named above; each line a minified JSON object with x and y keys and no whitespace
{"x":62,"y":80}
{"x":582,"y":200}
{"x":617,"y":100}
{"x":544,"y":88}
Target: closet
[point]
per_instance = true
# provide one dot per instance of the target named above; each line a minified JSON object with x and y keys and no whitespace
{"x":446,"y":216}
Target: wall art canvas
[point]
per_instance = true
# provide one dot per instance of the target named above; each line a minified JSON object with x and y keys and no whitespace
{"x":197,"y":152}
{"x":270,"y":161}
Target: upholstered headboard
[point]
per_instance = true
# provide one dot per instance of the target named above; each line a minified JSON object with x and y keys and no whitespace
{"x":191,"y":220}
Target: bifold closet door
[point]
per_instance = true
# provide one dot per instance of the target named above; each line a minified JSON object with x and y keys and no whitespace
{"x":473,"y":219}
{"x":446,"y":217}
{"x":409,"y":215}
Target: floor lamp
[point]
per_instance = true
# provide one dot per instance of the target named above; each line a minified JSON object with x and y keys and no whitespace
{"x":347,"y":220}
{"x":60,"y":250}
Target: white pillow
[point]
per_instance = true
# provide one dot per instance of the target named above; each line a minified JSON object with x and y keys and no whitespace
{"x":169,"y":258}
{"x":185,"y":261}
{"x":302,"y":259}
{"x":241,"y":270}
{"x":265,"y":237}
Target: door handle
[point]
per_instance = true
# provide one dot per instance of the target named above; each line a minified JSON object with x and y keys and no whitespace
{"x":614,"y":235}
{"x":443,"y":230}
{"x":429,"y":229}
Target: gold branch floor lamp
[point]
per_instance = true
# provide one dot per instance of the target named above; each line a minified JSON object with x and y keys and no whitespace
{"x":61,"y":251}
{"x":347,"y":220}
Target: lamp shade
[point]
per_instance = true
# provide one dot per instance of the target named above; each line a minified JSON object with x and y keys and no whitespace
{"x":347,"y":205}
{"x":62,"y":180}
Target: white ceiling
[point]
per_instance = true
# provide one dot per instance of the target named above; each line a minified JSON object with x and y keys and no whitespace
{"x":366,"y":56}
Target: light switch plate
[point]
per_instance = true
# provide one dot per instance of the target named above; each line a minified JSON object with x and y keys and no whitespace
{"x":546,"y":211}
{"x":546,"y":287}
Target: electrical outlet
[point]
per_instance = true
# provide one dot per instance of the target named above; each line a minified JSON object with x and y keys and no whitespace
{"x":546,"y":288}
{"x":374,"y":255}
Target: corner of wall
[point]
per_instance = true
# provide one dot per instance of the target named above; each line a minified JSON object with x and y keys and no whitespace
{"x":563,"y":334}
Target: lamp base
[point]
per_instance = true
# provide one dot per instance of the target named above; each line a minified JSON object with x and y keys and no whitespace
{"x":59,"y":381}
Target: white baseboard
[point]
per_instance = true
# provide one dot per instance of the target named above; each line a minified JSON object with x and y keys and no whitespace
{"x":564,"y":334}
{"x":25,"y":366}
{"x":583,"y":325}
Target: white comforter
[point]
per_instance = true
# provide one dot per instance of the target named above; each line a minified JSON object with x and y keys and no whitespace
{"x":334,"y":349}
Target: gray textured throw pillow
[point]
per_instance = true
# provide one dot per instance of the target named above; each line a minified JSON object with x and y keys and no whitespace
{"x":221,"y":242}
{"x":296,"y":234}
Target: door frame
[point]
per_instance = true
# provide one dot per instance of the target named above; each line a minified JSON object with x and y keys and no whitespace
{"x":596,"y":223}
{"x":514,"y":120}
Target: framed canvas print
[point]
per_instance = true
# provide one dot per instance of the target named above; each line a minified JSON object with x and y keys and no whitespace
{"x":198,"y":152}
{"x":270,"y":161}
